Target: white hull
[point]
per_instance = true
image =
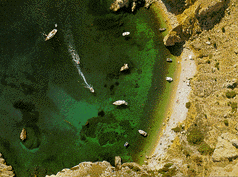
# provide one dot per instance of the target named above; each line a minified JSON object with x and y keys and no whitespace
{"x":120,"y":102}
{"x":125,"y":33}
{"x":142,"y":132}
{"x":51,"y":34}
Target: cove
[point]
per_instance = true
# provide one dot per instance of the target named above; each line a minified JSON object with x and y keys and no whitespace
{"x":42,"y":91}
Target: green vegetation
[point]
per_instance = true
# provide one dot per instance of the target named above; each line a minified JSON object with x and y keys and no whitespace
{"x":205,"y":149}
{"x":210,"y":56}
{"x":186,"y":153}
{"x":177,"y":129}
{"x":217,"y":65}
{"x":226,"y":122}
{"x":208,"y":61}
{"x":234,"y":107}
{"x":195,"y":136}
{"x":215,"y":45}
{"x":230,"y":94}
{"x":167,"y":171}
{"x":223,"y":29}
{"x":188,"y":104}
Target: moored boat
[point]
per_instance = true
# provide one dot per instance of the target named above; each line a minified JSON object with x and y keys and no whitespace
{"x":126,"y":33}
{"x":169,"y":60}
{"x":124,"y":67}
{"x":169,"y":79}
{"x":51,"y":34}
{"x":126,"y":144}
{"x":120,"y":102}
{"x":142,"y":132}
{"x":162,"y":29}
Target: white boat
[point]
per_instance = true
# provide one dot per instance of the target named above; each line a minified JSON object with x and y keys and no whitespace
{"x":51,"y":34}
{"x":120,"y":102}
{"x":142,"y":132}
{"x":169,"y":79}
{"x":126,"y":33}
{"x":124,"y":67}
{"x":169,"y":60}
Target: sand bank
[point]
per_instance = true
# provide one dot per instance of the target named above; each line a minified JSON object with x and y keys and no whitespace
{"x":177,"y":110}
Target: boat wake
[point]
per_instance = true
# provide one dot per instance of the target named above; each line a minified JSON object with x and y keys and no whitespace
{"x":75,"y":57}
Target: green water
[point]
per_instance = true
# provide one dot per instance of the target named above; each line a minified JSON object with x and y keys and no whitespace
{"x":42,"y":91}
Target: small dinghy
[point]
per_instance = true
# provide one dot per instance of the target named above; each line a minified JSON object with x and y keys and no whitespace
{"x":120,"y":102}
{"x":142,"y":132}
{"x":125,"y":67}
{"x":169,"y":60}
{"x":126,"y":33}
{"x":51,"y":34}
{"x":169,"y":79}
{"x":162,"y":29}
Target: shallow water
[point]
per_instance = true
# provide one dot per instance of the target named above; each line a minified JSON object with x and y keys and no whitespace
{"x":42,"y":91}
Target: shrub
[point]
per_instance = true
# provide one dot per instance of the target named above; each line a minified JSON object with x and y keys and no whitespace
{"x":195,"y":136}
{"x":234,"y":107}
{"x":230,"y":94}
{"x":217,"y":65}
{"x":186,"y":153}
{"x":210,"y":56}
{"x":208,"y":61}
{"x":188,"y":104}
{"x":177,"y":129}
{"x":205,"y":149}
{"x":223,"y":29}
{"x":226,"y":122}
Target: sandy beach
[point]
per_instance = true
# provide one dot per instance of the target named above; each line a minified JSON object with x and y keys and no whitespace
{"x":177,"y":111}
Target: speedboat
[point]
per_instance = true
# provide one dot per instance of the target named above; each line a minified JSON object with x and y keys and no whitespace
{"x":169,"y":79}
{"x":51,"y":34}
{"x":124,"y":67}
{"x":120,"y":102}
{"x":168,"y":59}
{"x":125,"y":33}
{"x":142,"y":132}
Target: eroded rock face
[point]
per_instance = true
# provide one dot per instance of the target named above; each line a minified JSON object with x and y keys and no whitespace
{"x":4,"y":169}
{"x":117,"y":4}
{"x":224,"y":150}
{"x":172,"y":38}
{"x":103,"y":169}
{"x":203,"y":15}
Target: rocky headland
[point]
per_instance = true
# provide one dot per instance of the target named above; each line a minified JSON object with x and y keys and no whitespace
{"x":204,"y":140}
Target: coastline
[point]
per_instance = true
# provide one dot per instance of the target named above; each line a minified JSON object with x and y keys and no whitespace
{"x":176,"y":110}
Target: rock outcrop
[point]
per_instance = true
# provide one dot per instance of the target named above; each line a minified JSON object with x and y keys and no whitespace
{"x":104,"y":168}
{"x":118,"y":4}
{"x":5,"y":170}
{"x":202,"y":15}
{"x":224,"y":151}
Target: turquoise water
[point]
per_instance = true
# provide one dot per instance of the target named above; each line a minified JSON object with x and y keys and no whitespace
{"x":42,"y":91}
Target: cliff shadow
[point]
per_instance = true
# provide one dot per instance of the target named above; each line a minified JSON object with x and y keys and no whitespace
{"x":176,"y":49}
{"x":208,"y":20}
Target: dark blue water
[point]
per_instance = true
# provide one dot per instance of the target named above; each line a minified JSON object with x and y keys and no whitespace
{"x":42,"y":91}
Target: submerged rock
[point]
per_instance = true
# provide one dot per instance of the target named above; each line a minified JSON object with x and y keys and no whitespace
{"x":23,"y":134}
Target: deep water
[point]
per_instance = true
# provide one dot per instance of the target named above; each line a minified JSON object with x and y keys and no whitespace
{"x":42,"y":91}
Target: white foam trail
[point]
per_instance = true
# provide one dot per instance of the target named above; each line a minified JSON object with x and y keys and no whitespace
{"x":75,"y":57}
